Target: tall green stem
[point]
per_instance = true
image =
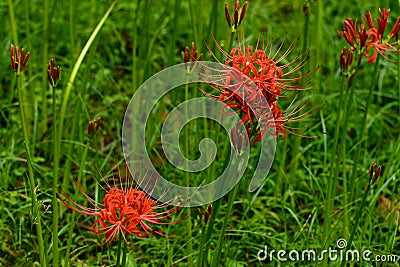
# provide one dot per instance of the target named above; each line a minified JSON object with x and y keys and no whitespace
{"x":12,"y":22}
{"x":358,"y":216}
{"x":124,"y":254}
{"x":55,"y":181}
{"x":364,"y":135}
{"x":214,"y":214}
{"x":119,"y":251}
{"x":36,"y":213}
{"x":220,"y":245}
{"x":189,"y":219}
{"x":121,"y":259}
{"x":72,"y":220}
{"x":44,"y":45}
{"x":194,"y":23}
{"x":331,"y":180}
{"x":347,"y":107}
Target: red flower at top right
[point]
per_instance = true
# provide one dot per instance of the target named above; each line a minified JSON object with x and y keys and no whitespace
{"x":370,"y":42}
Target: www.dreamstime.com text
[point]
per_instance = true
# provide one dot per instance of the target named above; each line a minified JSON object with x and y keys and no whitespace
{"x":338,"y":253}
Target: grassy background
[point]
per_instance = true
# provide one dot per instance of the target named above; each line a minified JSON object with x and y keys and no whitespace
{"x":142,"y":38}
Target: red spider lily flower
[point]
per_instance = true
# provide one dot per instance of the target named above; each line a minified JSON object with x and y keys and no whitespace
{"x":354,"y":33}
{"x":272,"y":79}
{"x":18,"y":57}
{"x":371,"y":42}
{"x":383,"y":21}
{"x":123,"y":211}
{"x":376,"y":43}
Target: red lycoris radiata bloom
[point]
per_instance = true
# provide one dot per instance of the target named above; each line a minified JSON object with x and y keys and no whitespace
{"x":271,"y":79}
{"x":370,"y":42}
{"x":123,"y":211}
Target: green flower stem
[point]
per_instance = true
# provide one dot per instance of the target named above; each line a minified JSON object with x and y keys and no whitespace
{"x":358,"y":216}
{"x":231,"y":42}
{"x":55,"y":181}
{"x":214,"y":214}
{"x":319,"y":37}
{"x":45,"y":49}
{"x":221,"y":240}
{"x":72,"y":10}
{"x":120,"y":238}
{"x":173,"y":35}
{"x":281,"y":173}
{"x":189,"y":219}
{"x":194,"y":24}
{"x":124,"y":254}
{"x":72,"y":219}
{"x":333,"y":167}
{"x":347,"y":107}
{"x":364,"y":135}
{"x":36,"y":213}
{"x":12,"y":22}
{"x":202,"y":239}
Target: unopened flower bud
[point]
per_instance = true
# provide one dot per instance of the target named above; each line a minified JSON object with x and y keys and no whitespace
{"x":238,"y":15}
{"x":18,"y":58}
{"x":207,"y":213}
{"x":346,"y":59}
{"x":239,"y":140}
{"x":395,"y":29}
{"x":53,"y":73}
{"x":227,"y":15}
{"x":377,"y":172}
{"x":93,"y":127}
{"x":371,"y":169}
{"x":191,"y":57}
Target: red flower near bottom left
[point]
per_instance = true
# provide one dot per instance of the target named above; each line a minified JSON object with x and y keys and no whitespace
{"x":125,"y":210}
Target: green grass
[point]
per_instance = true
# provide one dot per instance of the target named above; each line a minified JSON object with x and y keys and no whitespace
{"x":309,"y":199}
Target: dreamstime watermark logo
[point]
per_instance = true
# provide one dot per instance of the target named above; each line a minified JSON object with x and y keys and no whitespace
{"x":338,"y":253}
{"x":146,"y":99}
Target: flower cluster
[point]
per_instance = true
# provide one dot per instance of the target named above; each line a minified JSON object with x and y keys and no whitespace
{"x":53,"y":73}
{"x":124,"y":211}
{"x":93,"y":127}
{"x":370,"y":42}
{"x":191,"y":57}
{"x":18,"y":58}
{"x":255,"y":84}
